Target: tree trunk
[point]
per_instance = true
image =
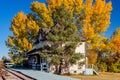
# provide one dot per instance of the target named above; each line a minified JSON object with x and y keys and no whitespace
{"x":60,"y":69}
{"x":99,"y":57}
{"x":57,"y":70}
{"x":68,"y":69}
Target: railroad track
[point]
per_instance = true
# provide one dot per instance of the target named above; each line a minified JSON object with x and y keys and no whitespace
{"x":13,"y":75}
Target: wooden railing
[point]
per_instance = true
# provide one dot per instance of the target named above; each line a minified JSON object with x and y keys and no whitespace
{"x":92,"y":66}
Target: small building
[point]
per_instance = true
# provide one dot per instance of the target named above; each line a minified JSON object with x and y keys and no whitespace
{"x":37,"y":62}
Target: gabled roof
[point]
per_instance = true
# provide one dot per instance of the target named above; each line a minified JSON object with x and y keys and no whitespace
{"x":43,"y":32}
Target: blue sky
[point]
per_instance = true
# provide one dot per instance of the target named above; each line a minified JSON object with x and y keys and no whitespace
{"x":9,"y":8}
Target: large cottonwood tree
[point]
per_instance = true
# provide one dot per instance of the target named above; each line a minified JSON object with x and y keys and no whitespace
{"x":25,"y":30}
{"x":96,"y":20}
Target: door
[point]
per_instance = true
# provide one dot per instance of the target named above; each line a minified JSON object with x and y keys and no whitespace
{"x":44,"y":64}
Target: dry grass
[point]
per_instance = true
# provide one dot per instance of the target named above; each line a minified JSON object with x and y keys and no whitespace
{"x":101,"y":76}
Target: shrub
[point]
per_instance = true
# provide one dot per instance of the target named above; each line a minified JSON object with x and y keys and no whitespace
{"x":103,"y":67}
{"x":115,"y":67}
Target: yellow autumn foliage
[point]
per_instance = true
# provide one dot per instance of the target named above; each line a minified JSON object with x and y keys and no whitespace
{"x":96,"y":20}
{"x":11,"y":41}
{"x":115,"y":41}
{"x":91,"y":18}
{"x":88,"y":32}
{"x":32,"y":26}
{"x":71,"y":5}
{"x":43,"y":12}
{"x":97,"y":15}
{"x":24,"y":29}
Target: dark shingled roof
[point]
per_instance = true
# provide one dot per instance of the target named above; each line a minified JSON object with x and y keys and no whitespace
{"x":44,"y":32}
{"x":32,"y":51}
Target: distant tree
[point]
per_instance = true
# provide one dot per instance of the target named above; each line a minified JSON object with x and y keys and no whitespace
{"x":4,"y":58}
{"x":115,"y":41}
{"x":113,"y":58}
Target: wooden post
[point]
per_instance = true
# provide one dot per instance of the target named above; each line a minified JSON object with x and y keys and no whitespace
{"x":86,"y":62}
